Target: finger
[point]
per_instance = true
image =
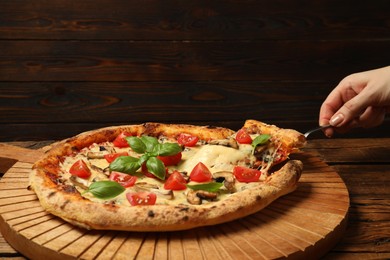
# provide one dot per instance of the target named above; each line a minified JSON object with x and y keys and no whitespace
{"x":373,"y":116}
{"x":329,"y":132}
{"x":330,"y":106}
{"x":353,"y":108}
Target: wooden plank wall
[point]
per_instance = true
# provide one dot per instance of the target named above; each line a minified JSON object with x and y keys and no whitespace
{"x":69,"y":66}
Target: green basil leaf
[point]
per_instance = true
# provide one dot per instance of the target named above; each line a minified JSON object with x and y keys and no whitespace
{"x":210,"y":186}
{"x":260,"y":140}
{"x":136,"y":144}
{"x":126,"y":164}
{"x":156,"y":167}
{"x":144,"y":158}
{"x":150,"y":142}
{"x":168,"y":149}
{"x":105,"y":189}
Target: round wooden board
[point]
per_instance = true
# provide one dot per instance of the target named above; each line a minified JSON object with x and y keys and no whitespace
{"x":304,"y":224}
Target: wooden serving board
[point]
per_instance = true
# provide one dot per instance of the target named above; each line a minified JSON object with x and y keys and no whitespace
{"x":304,"y":224}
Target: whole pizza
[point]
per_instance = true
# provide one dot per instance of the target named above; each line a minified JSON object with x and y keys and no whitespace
{"x":160,"y":177}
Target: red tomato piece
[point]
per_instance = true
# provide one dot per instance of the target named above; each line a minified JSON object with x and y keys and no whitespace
{"x":170,"y":160}
{"x":200,"y":173}
{"x":242,"y":137}
{"x":187,"y":140}
{"x":80,"y":169}
{"x":175,"y":182}
{"x":141,"y":198}
{"x":245,"y":174}
{"x":112,"y":156}
{"x":120,"y":140}
{"x":126,"y":180}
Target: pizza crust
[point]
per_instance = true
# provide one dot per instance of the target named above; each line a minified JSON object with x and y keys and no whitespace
{"x":66,"y":202}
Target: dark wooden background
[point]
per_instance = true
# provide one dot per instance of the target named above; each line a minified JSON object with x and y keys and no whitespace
{"x":69,"y":66}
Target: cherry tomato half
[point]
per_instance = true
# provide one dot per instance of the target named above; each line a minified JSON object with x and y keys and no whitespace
{"x":242,"y":137}
{"x":200,"y":173}
{"x":120,"y":140}
{"x":171,"y":159}
{"x":187,"y":140}
{"x":245,"y":174}
{"x":175,"y":182}
{"x":141,"y":198}
{"x":80,"y":169}
{"x":112,"y":156}
{"x":126,"y":180}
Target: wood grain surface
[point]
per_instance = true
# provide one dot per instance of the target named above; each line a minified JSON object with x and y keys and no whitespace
{"x":305,"y":223}
{"x":68,"y":68}
{"x":367,"y":179}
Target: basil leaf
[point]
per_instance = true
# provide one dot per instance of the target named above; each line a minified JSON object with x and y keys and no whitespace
{"x":156,"y":167}
{"x":150,"y":142}
{"x":126,"y":164}
{"x":105,"y":189}
{"x":168,"y":149}
{"x":260,"y":140}
{"x":144,"y":158}
{"x":136,"y":144}
{"x":211,"y":186}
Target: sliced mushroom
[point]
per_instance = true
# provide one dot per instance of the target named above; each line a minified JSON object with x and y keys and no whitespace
{"x":166,"y":194}
{"x":96,"y":155}
{"x":110,"y":149}
{"x":84,"y":184}
{"x":144,"y":186}
{"x":195,"y":197}
{"x":227,"y":179}
{"x":229,"y":142}
{"x":105,"y":171}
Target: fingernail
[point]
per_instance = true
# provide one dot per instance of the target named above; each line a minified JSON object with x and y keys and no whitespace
{"x":336,"y":120}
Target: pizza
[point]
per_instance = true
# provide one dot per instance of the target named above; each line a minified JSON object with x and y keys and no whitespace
{"x":166,"y":177}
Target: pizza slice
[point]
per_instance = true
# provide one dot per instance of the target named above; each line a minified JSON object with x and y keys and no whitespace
{"x":158,"y":177}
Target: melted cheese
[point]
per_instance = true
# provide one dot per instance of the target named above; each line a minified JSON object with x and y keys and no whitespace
{"x":215,"y":157}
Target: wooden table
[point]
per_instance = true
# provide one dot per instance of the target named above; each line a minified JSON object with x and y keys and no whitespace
{"x":364,"y":166}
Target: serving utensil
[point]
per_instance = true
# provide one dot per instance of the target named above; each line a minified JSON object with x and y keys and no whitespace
{"x":316,"y":129}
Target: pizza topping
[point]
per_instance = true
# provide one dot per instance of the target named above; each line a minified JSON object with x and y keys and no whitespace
{"x":200,"y":173}
{"x":154,"y":188}
{"x":195,"y":197}
{"x":260,"y":140}
{"x":210,"y":186}
{"x":80,"y":169}
{"x":243,"y":137}
{"x":227,"y":178}
{"x":82,"y":183}
{"x":123,"y":179}
{"x":187,"y":140}
{"x":105,"y":171}
{"x":171,"y":159}
{"x":229,"y":142}
{"x":112,"y":156}
{"x":245,"y":174}
{"x":150,"y":148}
{"x":120,"y":140}
{"x":175,"y":182}
{"x":95,"y":155}
{"x":141,"y":198}
{"x":105,"y":189}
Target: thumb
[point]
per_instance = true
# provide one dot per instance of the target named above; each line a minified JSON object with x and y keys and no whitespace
{"x":350,"y":110}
